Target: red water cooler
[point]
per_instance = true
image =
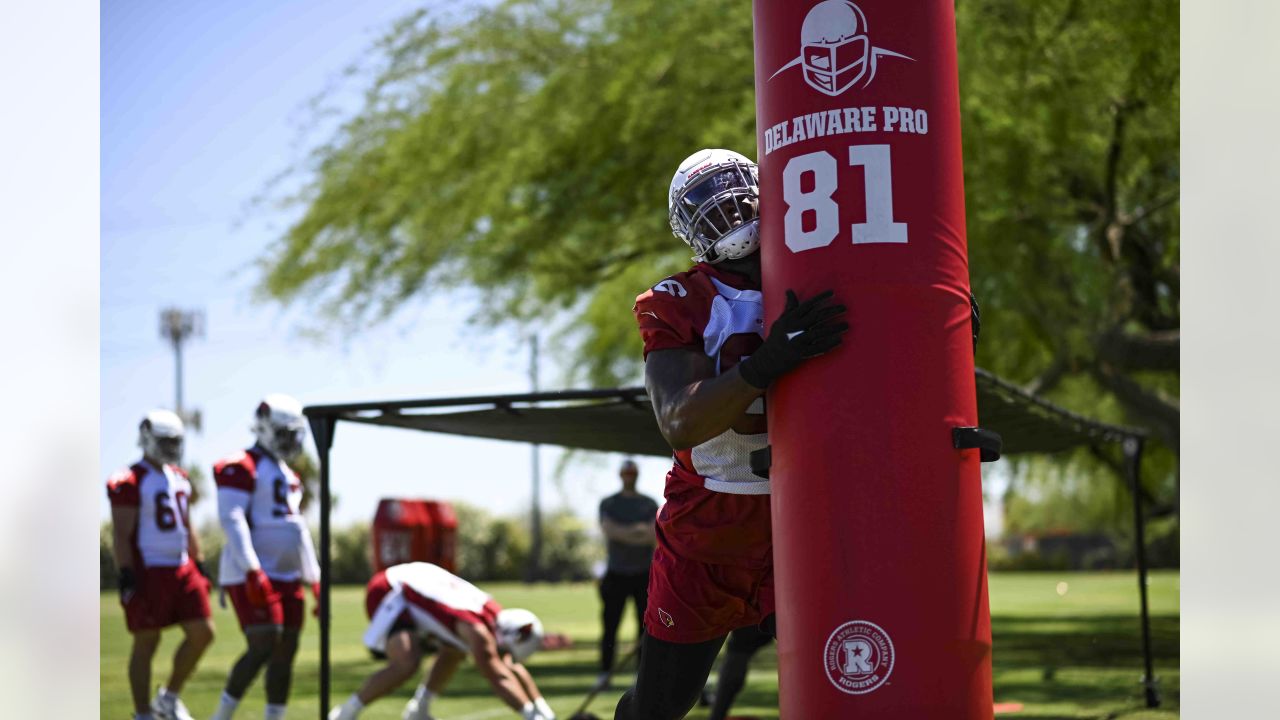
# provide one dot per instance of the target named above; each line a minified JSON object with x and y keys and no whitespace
{"x":410,"y":530}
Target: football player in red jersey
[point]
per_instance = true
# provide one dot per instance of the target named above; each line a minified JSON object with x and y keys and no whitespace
{"x":268,"y":557}
{"x":156,"y":553}
{"x":708,"y":361}
{"x":417,"y":607}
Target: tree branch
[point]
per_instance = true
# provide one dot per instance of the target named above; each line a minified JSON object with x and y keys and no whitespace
{"x":1049,"y":379}
{"x":1152,"y":351}
{"x":1151,"y":409}
{"x":1159,"y":204}
{"x":1154,"y":508}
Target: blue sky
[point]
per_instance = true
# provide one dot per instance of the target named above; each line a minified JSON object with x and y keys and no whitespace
{"x":202,"y":104}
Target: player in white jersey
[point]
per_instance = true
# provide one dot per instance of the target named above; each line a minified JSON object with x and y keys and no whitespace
{"x":156,"y":555}
{"x":417,"y":608}
{"x":268,"y":555}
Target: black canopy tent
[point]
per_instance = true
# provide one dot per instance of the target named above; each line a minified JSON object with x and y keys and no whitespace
{"x":621,"y":420}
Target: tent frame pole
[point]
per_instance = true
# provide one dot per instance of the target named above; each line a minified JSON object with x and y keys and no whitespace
{"x":322,"y":430}
{"x":1133,"y":468}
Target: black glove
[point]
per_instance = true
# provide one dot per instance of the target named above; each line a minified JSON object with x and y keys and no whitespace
{"x":128,"y":585}
{"x":800,"y":332}
{"x":975,"y":321}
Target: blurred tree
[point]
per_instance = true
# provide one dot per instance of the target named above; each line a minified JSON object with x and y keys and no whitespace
{"x":524,"y":150}
{"x":490,"y":548}
{"x":195,"y":473}
{"x":308,"y":471}
{"x":109,"y":576}
{"x":352,"y":559}
{"x":568,"y":549}
{"x":497,"y":548}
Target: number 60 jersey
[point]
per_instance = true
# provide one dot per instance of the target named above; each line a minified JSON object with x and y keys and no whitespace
{"x":258,"y":507}
{"x":160,"y":495}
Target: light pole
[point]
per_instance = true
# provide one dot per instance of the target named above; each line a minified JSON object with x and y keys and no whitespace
{"x":177,"y":326}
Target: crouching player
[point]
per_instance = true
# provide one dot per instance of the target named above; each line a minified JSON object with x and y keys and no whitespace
{"x":418,"y":607}
{"x":156,"y":554}
{"x":268,"y":555}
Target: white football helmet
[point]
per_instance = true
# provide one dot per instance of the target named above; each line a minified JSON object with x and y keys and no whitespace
{"x":519,"y":633}
{"x":714,"y":205}
{"x":279,"y":426}
{"x":160,"y":437}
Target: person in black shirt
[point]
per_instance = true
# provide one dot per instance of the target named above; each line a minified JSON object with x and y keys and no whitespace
{"x":627,"y":520}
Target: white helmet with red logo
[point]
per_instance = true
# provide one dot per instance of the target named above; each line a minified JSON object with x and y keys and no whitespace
{"x":160,"y":436}
{"x":834,"y":46}
{"x":714,"y":205}
{"x":279,"y":426}
{"x":519,"y":633}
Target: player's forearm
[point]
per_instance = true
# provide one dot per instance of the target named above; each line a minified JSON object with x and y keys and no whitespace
{"x":504,"y":683}
{"x":704,"y":409}
{"x":526,"y":681}
{"x":193,"y":547}
{"x":310,"y":565}
{"x":231,"y":517}
{"x":121,"y":547}
{"x":124,"y":521}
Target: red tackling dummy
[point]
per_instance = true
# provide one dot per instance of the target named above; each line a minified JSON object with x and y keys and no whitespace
{"x":877,"y":520}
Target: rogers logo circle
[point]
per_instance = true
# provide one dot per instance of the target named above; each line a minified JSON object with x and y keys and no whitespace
{"x":858,"y":657}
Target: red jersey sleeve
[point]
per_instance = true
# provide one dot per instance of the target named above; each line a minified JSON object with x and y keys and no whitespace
{"x":238,"y":472}
{"x":672,"y":314}
{"x":122,"y":489}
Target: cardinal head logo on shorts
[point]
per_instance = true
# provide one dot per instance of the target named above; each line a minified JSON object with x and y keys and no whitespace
{"x":835,"y":52}
{"x":858,"y":657}
{"x":666,"y":618}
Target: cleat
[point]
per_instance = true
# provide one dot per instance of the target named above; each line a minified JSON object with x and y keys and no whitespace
{"x":167,"y":706}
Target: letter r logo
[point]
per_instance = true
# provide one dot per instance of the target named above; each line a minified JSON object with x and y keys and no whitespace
{"x":857,"y":657}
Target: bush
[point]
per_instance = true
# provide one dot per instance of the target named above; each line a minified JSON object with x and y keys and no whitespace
{"x":351,"y":560}
{"x":498,"y":548}
{"x":107,"y":561}
{"x":567,"y":550}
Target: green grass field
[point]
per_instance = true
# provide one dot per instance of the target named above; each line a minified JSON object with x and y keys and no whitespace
{"x":1072,"y":655}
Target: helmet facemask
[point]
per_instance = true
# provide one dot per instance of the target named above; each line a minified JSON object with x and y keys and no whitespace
{"x":285,"y":442}
{"x":717,"y":213}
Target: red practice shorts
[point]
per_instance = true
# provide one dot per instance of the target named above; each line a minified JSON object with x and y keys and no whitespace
{"x":288,"y":608}
{"x":692,"y":601}
{"x":167,"y":596}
